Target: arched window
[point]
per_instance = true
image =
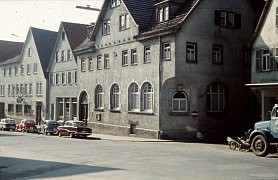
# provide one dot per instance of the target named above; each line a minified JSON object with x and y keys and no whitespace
{"x":216,"y":98}
{"x":99,"y":97}
{"x":147,"y":97}
{"x":115,"y":97}
{"x":179,"y":102}
{"x":133,"y":101}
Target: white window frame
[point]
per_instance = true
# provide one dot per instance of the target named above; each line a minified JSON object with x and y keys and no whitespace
{"x":147,"y":54}
{"x":124,"y":58}
{"x":124,"y":22}
{"x":99,"y":62}
{"x":63,"y":78}
{"x":265,"y":61}
{"x":106,"y":27}
{"x":29,"y":52}
{"x":35,"y":68}
{"x":115,"y":3}
{"x":22,"y":70}
{"x":69,"y":77}
{"x":179,"y":101}
{"x":216,"y":94}
{"x":134,"y":98}
{"x":147,"y":97}
{"x":191,"y":52}
{"x":57,"y":79}
{"x":115,"y":97}
{"x":166,"y":51}
{"x":133,"y":56}
{"x":83,"y":65}
{"x":99,"y":94}
{"x":68,"y":55}
{"x":28,"y":69}
{"x":217,"y":54}
{"x":106,"y":61}
{"x":91,"y":64}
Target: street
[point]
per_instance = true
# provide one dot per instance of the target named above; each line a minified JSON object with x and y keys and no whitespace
{"x":36,"y":156}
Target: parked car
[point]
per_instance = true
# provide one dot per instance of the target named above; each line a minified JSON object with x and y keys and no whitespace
{"x":74,"y":129}
{"x":26,"y":125}
{"x":7,"y":124}
{"x":49,"y":127}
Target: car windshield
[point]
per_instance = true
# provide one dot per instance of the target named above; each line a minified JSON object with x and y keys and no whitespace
{"x":10,"y":121}
{"x":53,"y":123}
{"x":79,"y":124}
{"x":29,"y":122}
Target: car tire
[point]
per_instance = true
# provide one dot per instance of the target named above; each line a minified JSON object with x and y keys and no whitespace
{"x":259,"y":146}
{"x":72,"y":135}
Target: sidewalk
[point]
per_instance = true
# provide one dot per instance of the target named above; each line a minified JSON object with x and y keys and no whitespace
{"x":122,"y":138}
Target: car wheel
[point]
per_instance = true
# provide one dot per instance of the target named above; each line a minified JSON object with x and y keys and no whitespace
{"x":23,"y":130}
{"x":85,"y":136}
{"x":259,"y":146}
{"x":59,"y":134}
{"x":72,"y":135}
{"x":232,"y":145}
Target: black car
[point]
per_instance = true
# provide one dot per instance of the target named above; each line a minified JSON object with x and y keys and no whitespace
{"x":49,"y":127}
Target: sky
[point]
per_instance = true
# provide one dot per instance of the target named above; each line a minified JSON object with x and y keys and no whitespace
{"x":16,"y":16}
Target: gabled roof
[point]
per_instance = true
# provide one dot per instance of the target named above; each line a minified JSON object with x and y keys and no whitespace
{"x":9,"y":49}
{"x":261,"y":22}
{"x":44,"y":41}
{"x":76,"y":33}
{"x":174,"y":22}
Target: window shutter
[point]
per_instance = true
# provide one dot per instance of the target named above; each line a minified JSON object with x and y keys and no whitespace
{"x":272,"y":59}
{"x":237,"y":21}
{"x":217,"y":17}
{"x":258,"y":60}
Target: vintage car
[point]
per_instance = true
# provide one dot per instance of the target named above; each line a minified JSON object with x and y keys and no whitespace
{"x":74,"y":129}
{"x":49,"y":127}
{"x":7,"y":124}
{"x":26,"y":125}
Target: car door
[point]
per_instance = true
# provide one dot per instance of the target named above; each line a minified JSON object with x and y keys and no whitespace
{"x":274,"y":122}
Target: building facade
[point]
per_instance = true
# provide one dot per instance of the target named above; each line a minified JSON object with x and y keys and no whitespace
{"x":24,"y":77}
{"x":62,"y":71}
{"x":166,"y":69}
{"x":264,"y":72}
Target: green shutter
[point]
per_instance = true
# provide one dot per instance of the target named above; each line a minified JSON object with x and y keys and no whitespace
{"x":258,"y":60}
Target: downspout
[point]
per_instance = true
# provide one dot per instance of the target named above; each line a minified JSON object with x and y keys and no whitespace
{"x":160,"y":81}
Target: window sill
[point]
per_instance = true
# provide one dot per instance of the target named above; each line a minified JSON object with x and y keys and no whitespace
{"x":115,"y":110}
{"x":167,"y":59}
{"x":141,"y":112}
{"x":195,"y":62}
{"x":179,"y":113}
{"x":100,"y":110}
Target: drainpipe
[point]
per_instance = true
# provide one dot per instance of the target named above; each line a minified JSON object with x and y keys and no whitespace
{"x":160,"y":80}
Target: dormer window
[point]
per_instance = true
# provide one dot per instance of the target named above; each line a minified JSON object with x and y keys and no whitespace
{"x":162,"y":14}
{"x":115,"y":3}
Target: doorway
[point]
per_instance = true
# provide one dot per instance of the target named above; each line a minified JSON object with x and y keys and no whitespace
{"x":83,"y":107}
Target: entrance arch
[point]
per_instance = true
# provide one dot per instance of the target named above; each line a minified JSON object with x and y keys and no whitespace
{"x":83,"y":107}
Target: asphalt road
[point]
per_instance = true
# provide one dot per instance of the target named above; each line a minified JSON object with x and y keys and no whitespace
{"x":33,"y":156}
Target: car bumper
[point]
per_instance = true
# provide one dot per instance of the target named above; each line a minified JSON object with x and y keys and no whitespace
{"x":82,"y":133}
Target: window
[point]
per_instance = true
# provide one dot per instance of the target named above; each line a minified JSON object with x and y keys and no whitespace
{"x":106,"y":61}
{"x":133,"y":101}
{"x":25,"y":89}
{"x":17,"y":89}
{"x":29,"y":52}
{"x":2,"y":90}
{"x":265,"y":60}
{"x":63,"y":78}
{"x":9,"y":90}
{"x":57,"y":56}
{"x":83,"y":65}
{"x":276,"y":16}
{"x":124,"y":58}
{"x":69,"y":78}
{"x":147,"y":54}
{"x":191,"y":52}
{"x":30,"y":89}
{"x":115,"y":3}
{"x":63,"y":35}
{"x":133,"y":56}
{"x":179,"y":102}
{"x":115,"y":97}
{"x":166,"y":50}
{"x":217,"y":54}
{"x":16,"y":70}
{"x":98,"y":62}
{"x":39,"y":89}
{"x":124,"y":22}
{"x":162,"y":14}
{"x":57,"y":78}
{"x":68,"y":55}
{"x":227,"y":19}
{"x":22,"y":70}
{"x":10,"y":71}
{"x":21,"y":89}
{"x":99,"y":97}
{"x":91,"y":64}
{"x":4,"y":71}
{"x":51,"y":79}
{"x":62,"y":55}
{"x":106,"y":27}
{"x":35,"y":68}
{"x":216,"y":98}
{"x":28,"y":69}
{"x":147,"y":93}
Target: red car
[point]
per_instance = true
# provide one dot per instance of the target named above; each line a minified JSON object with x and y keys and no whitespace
{"x":26,"y":126}
{"x":73,"y":129}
